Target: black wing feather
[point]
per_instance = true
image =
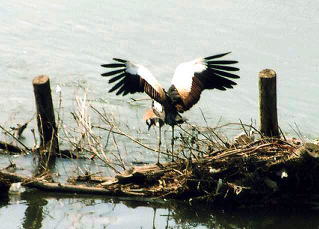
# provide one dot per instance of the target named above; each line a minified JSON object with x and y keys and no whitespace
{"x":219,"y":83}
{"x":112,"y":72}
{"x":223,"y":73}
{"x":122,"y":89}
{"x":116,"y":86}
{"x":120,"y":60}
{"x":223,"y":62}
{"x":112,"y":65}
{"x":221,"y":67}
{"x":216,"y":56}
{"x":115,"y":78}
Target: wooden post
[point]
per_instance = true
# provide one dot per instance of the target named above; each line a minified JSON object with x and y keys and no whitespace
{"x":268,"y":103}
{"x":45,"y":115}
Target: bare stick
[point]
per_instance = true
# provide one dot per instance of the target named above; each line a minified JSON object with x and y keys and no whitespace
{"x":268,"y":103}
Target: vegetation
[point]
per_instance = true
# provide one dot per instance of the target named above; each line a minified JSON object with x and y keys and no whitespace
{"x":251,"y":170}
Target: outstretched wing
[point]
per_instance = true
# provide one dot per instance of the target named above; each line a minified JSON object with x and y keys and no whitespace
{"x":130,"y":78}
{"x":191,"y":78}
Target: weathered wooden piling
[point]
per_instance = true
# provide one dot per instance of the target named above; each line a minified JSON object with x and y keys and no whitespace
{"x":45,"y":115}
{"x":268,"y":103}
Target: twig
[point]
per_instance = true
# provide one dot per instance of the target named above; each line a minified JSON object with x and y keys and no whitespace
{"x":282,"y":133}
{"x":15,"y":138}
{"x":118,"y":131}
{"x":298,"y":132}
{"x":118,"y":150}
{"x":142,"y":99}
{"x":241,"y":123}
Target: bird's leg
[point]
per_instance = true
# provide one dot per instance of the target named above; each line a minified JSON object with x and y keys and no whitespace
{"x":159,"y":145}
{"x":154,"y":217}
{"x":172,"y":142}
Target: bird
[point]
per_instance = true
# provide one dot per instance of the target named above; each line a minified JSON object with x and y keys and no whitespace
{"x":190,"y":79}
{"x":156,"y":117}
{"x":153,"y":119}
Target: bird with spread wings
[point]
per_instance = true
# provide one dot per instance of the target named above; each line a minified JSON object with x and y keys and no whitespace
{"x":188,"y":82}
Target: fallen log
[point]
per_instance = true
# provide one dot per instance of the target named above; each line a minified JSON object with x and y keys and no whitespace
{"x":37,"y":183}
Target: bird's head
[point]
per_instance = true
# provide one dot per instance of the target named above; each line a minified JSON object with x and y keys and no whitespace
{"x":150,"y":118}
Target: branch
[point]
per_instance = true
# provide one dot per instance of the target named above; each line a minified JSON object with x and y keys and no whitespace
{"x":53,"y":187}
{"x":15,"y":138}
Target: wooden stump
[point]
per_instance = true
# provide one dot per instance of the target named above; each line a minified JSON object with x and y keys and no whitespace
{"x":45,"y":115}
{"x":268,"y":103}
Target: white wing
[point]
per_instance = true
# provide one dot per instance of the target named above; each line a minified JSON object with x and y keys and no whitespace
{"x":191,"y":78}
{"x":132,"y":78}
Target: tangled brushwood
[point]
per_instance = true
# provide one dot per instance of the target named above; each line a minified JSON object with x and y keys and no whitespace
{"x":265,"y":172}
{"x":208,"y":167}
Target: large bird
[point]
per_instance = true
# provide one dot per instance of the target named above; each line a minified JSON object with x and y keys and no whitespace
{"x":188,"y":82}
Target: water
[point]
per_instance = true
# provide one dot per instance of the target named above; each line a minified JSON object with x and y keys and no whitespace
{"x":41,"y":210}
{"x":68,"y":40}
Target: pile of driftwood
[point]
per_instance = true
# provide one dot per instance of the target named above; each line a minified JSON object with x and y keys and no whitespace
{"x":265,"y":172}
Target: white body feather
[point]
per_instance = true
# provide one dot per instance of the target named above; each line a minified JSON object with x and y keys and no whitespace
{"x":183,"y":76}
{"x":157,"y":106}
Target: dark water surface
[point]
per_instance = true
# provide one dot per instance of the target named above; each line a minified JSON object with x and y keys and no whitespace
{"x":34,"y":209}
{"x":68,"y":40}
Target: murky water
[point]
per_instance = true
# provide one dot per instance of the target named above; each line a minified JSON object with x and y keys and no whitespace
{"x":68,"y":40}
{"x":39,"y":210}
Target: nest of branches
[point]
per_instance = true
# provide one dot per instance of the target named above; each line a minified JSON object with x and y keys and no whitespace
{"x":265,"y":172}
{"x":207,"y":167}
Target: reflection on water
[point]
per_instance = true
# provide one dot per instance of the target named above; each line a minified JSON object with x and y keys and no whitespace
{"x":39,"y":210}
{"x":34,"y":214}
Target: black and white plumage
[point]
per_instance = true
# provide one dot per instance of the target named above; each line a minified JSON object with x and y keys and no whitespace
{"x":188,"y":82}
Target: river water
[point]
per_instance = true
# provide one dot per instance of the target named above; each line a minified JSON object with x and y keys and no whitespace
{"x":68,"y":40}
